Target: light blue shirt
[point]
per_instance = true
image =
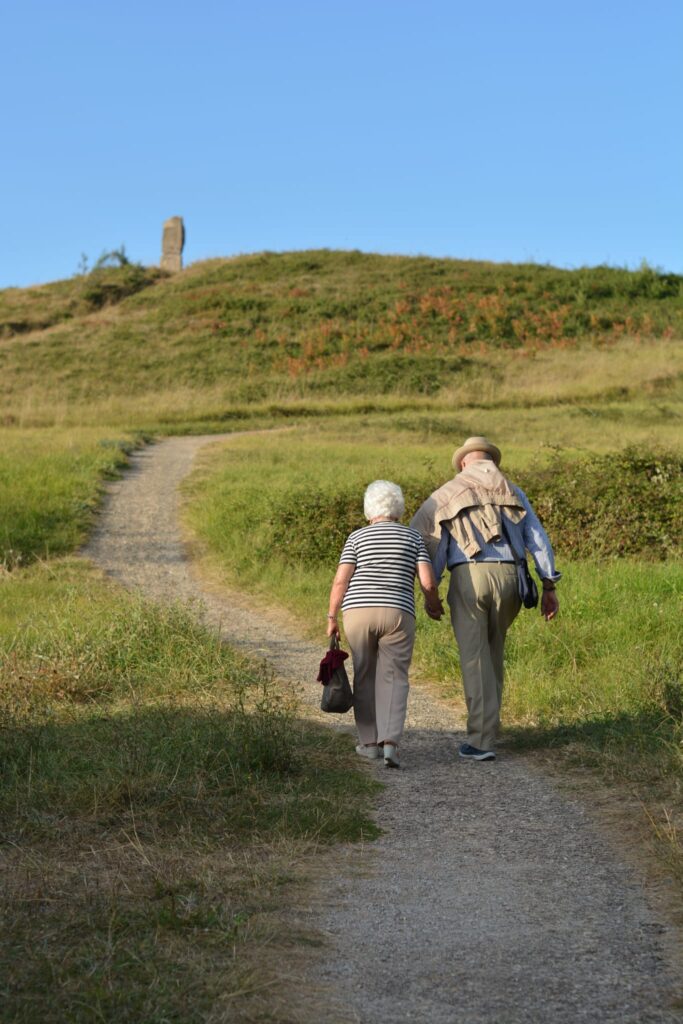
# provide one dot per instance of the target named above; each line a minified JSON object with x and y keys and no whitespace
{"x":527,"y":535}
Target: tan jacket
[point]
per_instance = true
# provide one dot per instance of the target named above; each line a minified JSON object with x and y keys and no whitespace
{"x":472,"y":499}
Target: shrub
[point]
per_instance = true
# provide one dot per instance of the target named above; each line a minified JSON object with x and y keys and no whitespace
{"x":106,"y":285}
{"x":629,"y":503}
{"x":598,"y":506}
{"x":314,"y":526}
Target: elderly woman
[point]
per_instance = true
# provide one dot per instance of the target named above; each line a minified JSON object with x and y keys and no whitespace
{"x":374,"y":586}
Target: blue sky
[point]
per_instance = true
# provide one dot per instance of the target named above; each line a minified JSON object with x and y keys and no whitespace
{"x":495,"y":130}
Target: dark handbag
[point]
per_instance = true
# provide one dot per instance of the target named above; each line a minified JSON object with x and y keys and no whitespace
{"x":337,"y":696}
{"x":526,"y":584}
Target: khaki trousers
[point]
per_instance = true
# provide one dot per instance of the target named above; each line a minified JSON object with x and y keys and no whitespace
{"x":381,"y":642}
{"x":484,"y":600}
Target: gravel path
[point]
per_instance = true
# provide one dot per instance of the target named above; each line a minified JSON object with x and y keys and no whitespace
{"x":490,"y":897}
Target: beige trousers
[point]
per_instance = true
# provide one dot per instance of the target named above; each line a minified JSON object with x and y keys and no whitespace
{"x":381,"y":642}
{"x":484,"y":600}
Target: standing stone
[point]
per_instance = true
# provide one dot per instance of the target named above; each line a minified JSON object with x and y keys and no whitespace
{"x":172,"y":244}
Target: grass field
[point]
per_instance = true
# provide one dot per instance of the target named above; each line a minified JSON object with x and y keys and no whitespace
{"x":159,"y":805}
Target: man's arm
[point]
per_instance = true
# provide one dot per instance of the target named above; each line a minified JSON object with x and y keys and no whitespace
{"x":424,"y":522}
{"x":537,"y":542}
{"x":440,"y":557}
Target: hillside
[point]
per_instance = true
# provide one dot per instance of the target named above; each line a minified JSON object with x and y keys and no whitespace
{"x":321,"y":325}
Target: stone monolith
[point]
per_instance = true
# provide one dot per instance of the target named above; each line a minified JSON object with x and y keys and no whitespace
{"x":172,"y":243}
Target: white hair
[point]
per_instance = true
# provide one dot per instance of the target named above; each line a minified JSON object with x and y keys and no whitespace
{"x":382,"y":498}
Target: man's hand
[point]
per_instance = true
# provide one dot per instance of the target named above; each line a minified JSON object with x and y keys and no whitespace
{"x":332,"y":627}
{"x":550,"y":605}
{"x":434,"y":609}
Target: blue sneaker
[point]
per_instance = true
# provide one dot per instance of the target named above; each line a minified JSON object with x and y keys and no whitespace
{"x":474,"y":754}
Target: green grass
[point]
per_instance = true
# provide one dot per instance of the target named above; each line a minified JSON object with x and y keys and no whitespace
{"x":157,"y":794}
{"x":50,"y":483}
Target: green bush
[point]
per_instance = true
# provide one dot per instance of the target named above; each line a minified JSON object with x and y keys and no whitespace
{"x":598,"y":506}
{"x":308,"y":525}
{"x":23,"y":310}
{"x":106,"y":285}
{"x":607,"y":506}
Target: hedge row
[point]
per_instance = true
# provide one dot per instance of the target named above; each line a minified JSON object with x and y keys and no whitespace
{"x":607,"y":506}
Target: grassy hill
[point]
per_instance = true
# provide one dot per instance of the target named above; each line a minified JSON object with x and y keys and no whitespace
{"x":325,"y":326}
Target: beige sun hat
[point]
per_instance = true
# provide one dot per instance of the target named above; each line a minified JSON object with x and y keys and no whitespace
{"x":475,"y":444}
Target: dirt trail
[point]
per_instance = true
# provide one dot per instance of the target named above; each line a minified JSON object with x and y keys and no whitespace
{"x":490,"y":897}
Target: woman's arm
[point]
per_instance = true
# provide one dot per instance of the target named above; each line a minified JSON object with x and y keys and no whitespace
{"x":428,"y":585}
{"x":340,"y":585}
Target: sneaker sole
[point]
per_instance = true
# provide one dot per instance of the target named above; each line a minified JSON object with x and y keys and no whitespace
{"x":477,"y":757}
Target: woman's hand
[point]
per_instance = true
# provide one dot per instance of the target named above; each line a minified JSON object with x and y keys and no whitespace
{"x":332,"y":626}
{"x":430,"y":590}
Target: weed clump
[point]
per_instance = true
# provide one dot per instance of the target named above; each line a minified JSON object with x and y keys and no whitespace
{"x":144,"y":708}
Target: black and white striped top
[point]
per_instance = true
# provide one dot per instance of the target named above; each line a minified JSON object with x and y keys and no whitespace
{"x":385,"y":555}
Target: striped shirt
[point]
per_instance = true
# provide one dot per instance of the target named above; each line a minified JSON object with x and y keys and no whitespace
{"x":385,"y":555}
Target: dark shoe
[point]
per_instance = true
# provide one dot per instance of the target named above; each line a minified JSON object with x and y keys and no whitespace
{"x":474,"y":754}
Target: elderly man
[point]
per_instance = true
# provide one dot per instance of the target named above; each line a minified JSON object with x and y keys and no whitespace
{"x":480,"y":526}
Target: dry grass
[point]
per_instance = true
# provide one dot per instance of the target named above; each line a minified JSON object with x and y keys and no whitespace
{"x":630,"y":368}
{"x":591,"y":396}
{"x":117,"y":928}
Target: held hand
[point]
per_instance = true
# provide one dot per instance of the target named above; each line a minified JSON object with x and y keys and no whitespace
{"x":434,"y":611}
{"x":550,"y":605}
{"x":333,"y":628}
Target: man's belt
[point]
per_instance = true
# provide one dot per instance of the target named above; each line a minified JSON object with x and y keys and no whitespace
{"x":484,"y":561}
